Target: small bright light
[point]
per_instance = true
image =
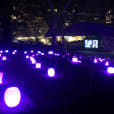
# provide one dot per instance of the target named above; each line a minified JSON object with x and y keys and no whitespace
{"x":110,"y":70}
{"x":50,"y":52}
{"x":36,"y":54}
{"x":25,"y":52}
{"x":74,"y":59}
{"x":51,"y":72}
{"x":15,"y":50}
{"x":1,"y":51}
{"x":100,"y":59}
{"x":38,"y":65}
{"x":107,"y":63}
{"x":32,"y":51}
{"x":95,"y":60}
{"x":33,"y":60}
{"x":27,"y":56}
{"x":1,"y":77}
{"x":42,"y":53}
{"x":0,"y":55}
{"x":12,"y":97}
{"x":13,"y":53}
{"x":6,"y":51}
{"x":39,"y":52}
{"x":4,"y":58}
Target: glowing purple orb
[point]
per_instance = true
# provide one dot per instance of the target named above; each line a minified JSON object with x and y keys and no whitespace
{"x":95,"y":60}
{"x":6,"y":51}
{"x":42,"y":53}
{"x":12,"y":97}
{"x":27,"y":56}
{"x":50,"y":52}
{"x":25,"y":52}
{"x":1,"y":51}
{"x":39,"y":52}
{"x":32,"y":51}
{"x":13,"y":53}
{"x":4,"y":58}
{"x":74,"y":60}
{"x":110,"y":70}
{"x":38,"y":65}
{"x":1,"y":77}
{"x":51,"y":72}
{"x":107,"y":63}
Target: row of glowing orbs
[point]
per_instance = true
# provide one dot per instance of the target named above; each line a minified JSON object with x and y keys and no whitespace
{"x":110,"y":70}
{"x":51,"y":71}
{"x":12,"y":95}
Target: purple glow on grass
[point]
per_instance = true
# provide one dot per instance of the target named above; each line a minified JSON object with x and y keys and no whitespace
{"x":1,"y":77}
{"x":95,"y":60}
{"x":50,"y":52}
{"x":6,"y":51}
{"x":4,"y":58}
{"x":38,"y":65}
{"x":51,"y":72}
{"x":27,"y":56}
{"x":110,"y":70}
{"x":68,"y":54}
{"x":12,"y":97}
{"x":107,"y":63}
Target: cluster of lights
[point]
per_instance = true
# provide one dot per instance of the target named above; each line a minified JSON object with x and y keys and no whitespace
{"x":12,"y":95}
{"x":75,"y":60}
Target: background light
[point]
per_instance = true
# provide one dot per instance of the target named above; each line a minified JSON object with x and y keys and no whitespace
{"x":12,"y":97}
{"x":51,"y":72}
